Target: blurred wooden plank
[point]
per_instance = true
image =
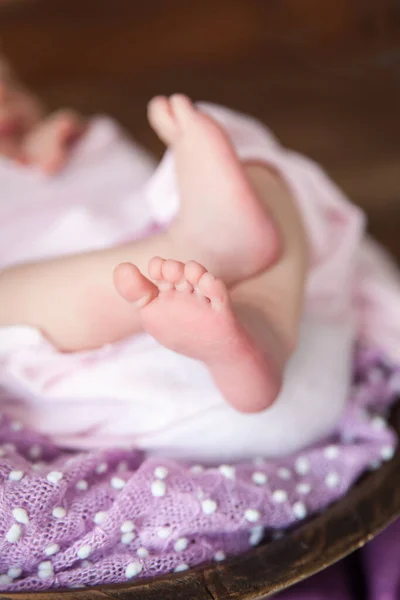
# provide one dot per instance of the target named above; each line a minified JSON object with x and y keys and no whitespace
{"x":325,"y":76}
{"x":156,"y":34}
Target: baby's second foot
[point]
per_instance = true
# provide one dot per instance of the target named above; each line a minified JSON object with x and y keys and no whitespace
{"x":49,"y":145}
{"x":189,"y":311}
{"x":221,"y":219}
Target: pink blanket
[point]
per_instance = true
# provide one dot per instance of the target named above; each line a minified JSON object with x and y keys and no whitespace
{"x":111,"y":192}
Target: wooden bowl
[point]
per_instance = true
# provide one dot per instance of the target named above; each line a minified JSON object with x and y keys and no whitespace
{"x":327,"y":84}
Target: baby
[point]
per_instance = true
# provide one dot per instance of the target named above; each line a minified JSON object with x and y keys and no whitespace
{"x":256,"y":269}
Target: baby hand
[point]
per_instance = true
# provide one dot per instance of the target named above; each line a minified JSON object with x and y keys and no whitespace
{"x":49,"y":144}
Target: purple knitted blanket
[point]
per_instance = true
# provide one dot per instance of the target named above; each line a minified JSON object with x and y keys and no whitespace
{"x":80,"y":519}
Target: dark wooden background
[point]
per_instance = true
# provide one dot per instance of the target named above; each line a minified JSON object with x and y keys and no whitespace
{"x":324,"y":74}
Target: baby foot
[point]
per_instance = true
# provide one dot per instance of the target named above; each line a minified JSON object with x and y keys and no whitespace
{"x":221,"y":219}
{"x":49,"y":145}
{"x":189,"y":311}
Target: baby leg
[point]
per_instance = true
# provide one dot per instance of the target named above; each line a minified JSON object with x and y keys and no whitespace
{"x":223,"y":223}
{"x":244,"y":338}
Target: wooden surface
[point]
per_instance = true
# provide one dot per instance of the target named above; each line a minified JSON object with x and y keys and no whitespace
{"x":325,"y":76}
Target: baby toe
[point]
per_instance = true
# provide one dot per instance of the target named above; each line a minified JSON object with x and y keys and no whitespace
{"x":173,"y":270}
{"x":214,"y":289}
{"x":194,"y":271}
{"x":155,"y":268}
